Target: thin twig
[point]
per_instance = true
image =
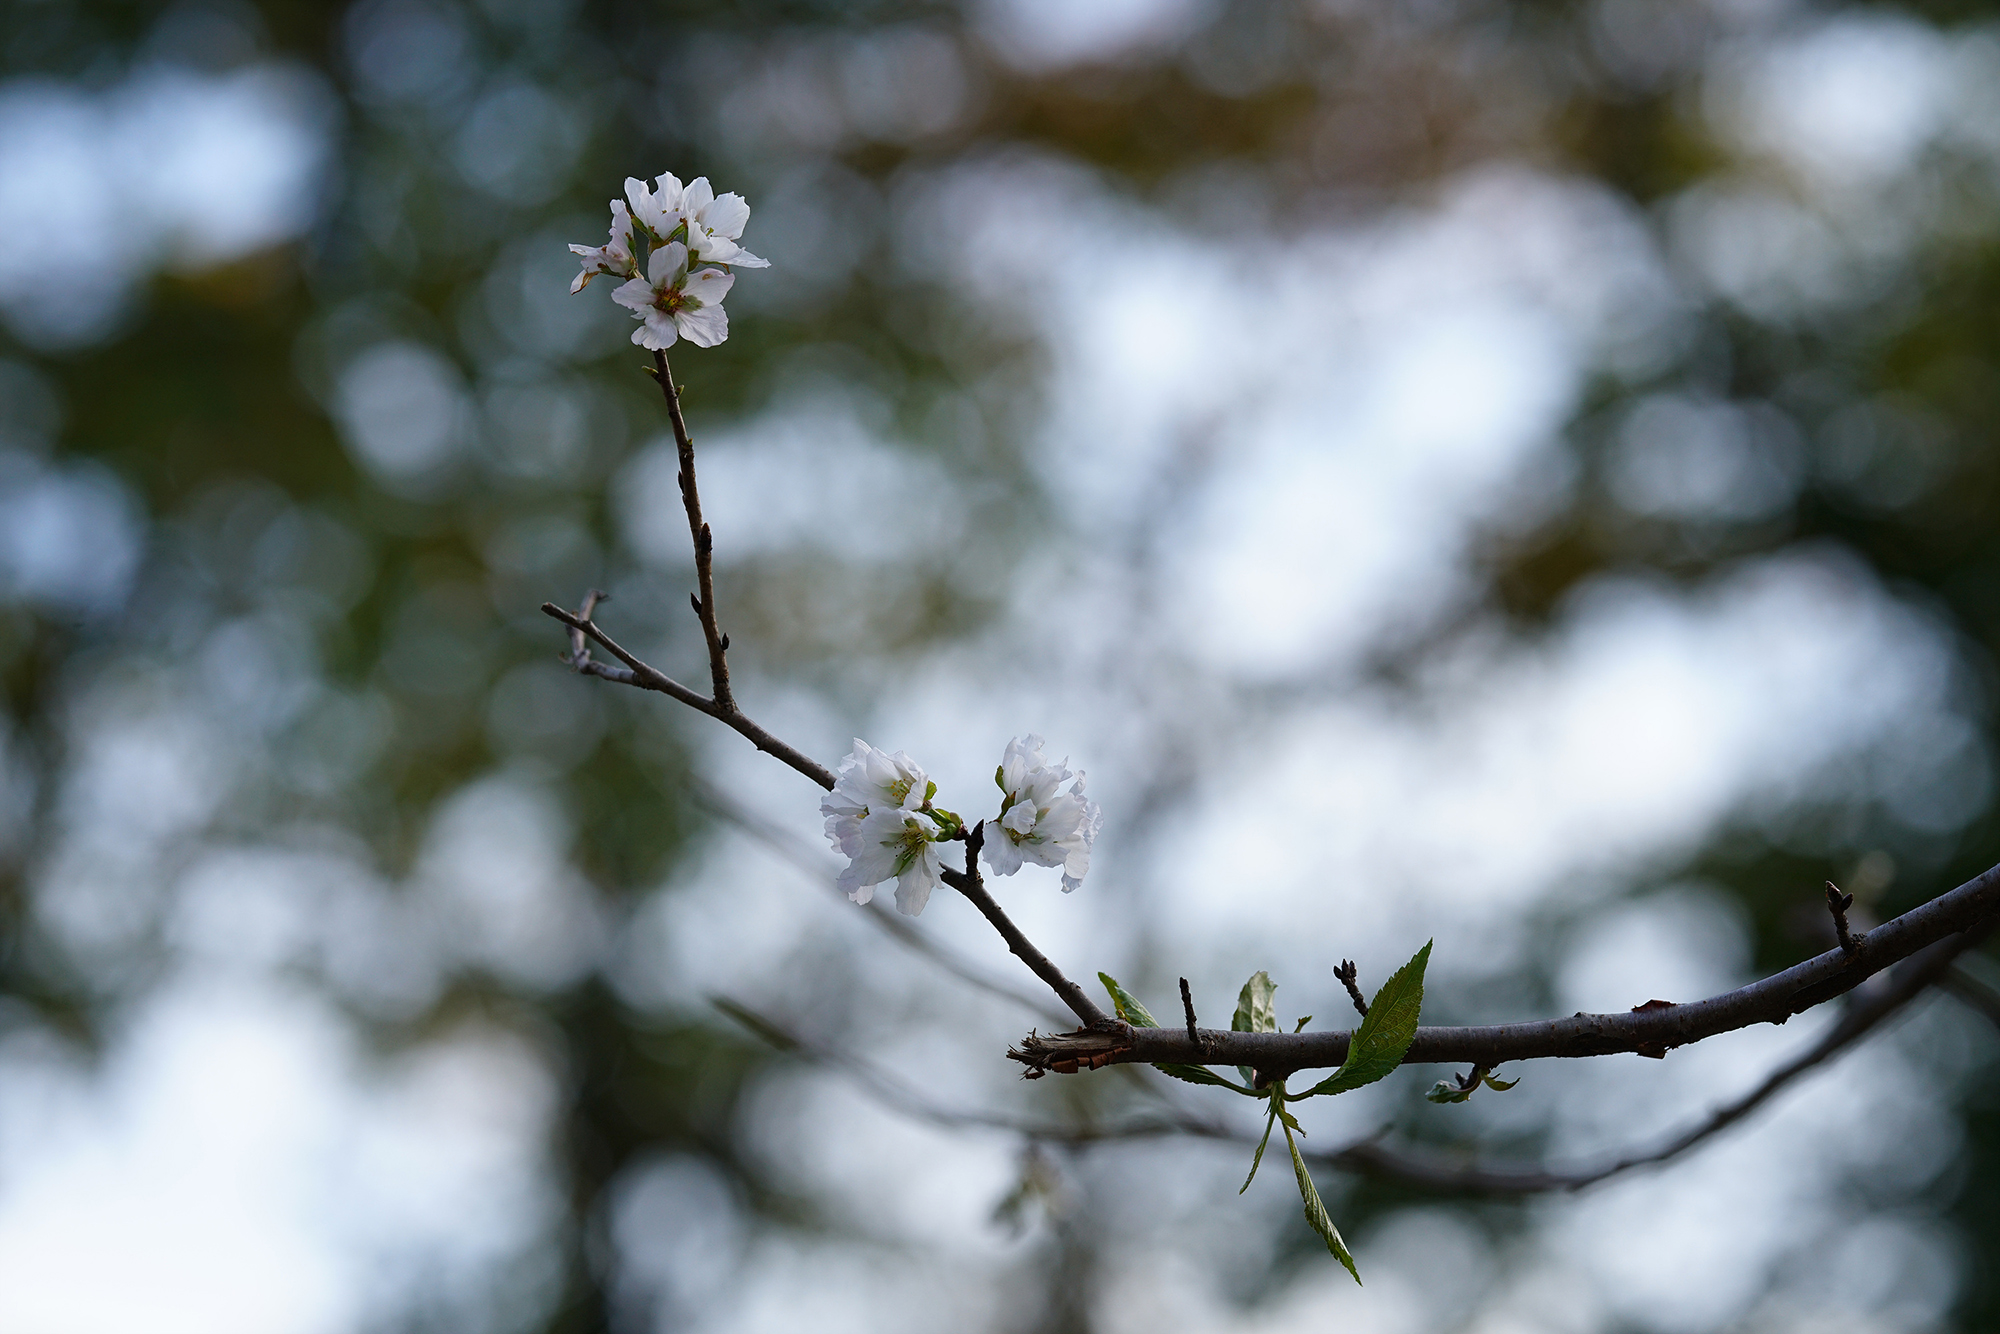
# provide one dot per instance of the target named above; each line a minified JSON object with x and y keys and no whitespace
{"x":1348,"y":975}
{"x":647,"y":678}
{"x":969,"y":884}
{"x":1187,"y":1004}
{"x":704,"y":545}
{"x":1772,"y":999}
{"x":1838,"y":903}
{"x":579,"y":648}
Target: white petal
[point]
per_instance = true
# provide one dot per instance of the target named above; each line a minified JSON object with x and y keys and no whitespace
{"x":667,"y":264}
{"x":726,"y":216}
{"x":714,"y":249}
{"x":698,"y":196}
{"x":1002,"y":855}
{"x":850,"y":885}
{"x":914,"y":885}
{"x":743,"y":259}
{"x":645,"y":208}
{"x":657,"y":333}
{"x":709,"y":286}
{"x":635,"y":295}
{"x":704,"y":326}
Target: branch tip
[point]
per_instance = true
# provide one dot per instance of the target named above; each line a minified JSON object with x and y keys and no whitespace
{"x":1348,"y":975}
{"x":1838,"y":903}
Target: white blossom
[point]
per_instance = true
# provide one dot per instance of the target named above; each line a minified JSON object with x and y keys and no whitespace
{"x":871,"y":779}
{"x":713,"y":224}
{"x":672,"y":302}
{"x":613,"y":257}
{"x":894,"y":843}
{"x":877,"y":816}
{"x":1038,"y":821}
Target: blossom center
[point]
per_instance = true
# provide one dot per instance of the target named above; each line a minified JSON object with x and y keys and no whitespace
{"x":909,"y":844}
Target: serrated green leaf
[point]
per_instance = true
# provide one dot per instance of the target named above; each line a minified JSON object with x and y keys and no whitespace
{"x":1385,"y":1034}
{"x":1257,"y":1159}
{"x":1254,"y":1013}
{"x":1500,"y":1085}
{"x":1316,"y":1214}
{"x":1126,"y":1004}
{"x":1446,"y":1091}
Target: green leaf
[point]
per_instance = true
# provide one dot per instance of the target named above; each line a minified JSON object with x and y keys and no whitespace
{"x":1451,"y":1090}
{"x":1257,"y":1159}
{"x":1127,"y":1005}
{"x":1316,"y":1211}
{"x":1254,"y":1013}
{"x":1201,"y":1074}
{"x":1385,"y":1034}
{"x":1253,"y":1006}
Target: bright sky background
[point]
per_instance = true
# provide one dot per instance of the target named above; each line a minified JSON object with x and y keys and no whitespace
{"x":1268,"y":468}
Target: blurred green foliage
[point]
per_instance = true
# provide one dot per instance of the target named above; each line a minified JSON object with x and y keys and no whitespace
{"x":211,"y":403}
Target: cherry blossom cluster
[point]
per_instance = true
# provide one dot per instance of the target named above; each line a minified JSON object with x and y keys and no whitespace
{"x":675,"y":245}
{"x":882,"y":817}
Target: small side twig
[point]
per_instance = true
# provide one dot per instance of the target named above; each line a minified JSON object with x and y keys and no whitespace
{"x":1347,"y":973}
{"x":637,"y":673}
{"x":579,"y":649}
{"x":1187,"y":1004}
{"x":1838,"y":903}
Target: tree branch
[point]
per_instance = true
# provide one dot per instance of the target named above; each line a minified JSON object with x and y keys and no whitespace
{"x":973,"y":888}
{"x":1772,"y":1000}
{"x":1369,"y":1156}
{"x":704,"y":546}
{"x":1929,"y":967}
{"x":638,"y":674}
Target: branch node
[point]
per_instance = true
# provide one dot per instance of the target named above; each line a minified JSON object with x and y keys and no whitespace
{"x":579,"y":652}
{"x":1838,"y":903}
{"x":1654,"y":1050}
{"x":1348,"y":975}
